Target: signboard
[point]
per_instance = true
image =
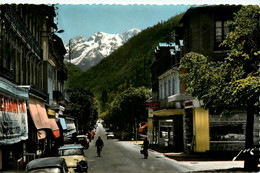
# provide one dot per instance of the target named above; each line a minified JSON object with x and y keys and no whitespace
{"x":51,"y":113}
{"x":193,"y":104}
{"x":152,"y":105}
{"x":13,"y":120}
{"x":188,"y":104}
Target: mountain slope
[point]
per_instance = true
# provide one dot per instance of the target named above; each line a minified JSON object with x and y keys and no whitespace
{"x":86,"y":53}
{"x":128,"y":65}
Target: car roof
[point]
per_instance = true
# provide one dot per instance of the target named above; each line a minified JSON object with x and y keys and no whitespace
{"x":46,"y":162}
{"x":71,"y":146}
{"x":81,"y":136}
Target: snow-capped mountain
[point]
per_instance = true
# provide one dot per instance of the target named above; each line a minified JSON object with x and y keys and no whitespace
{"x":86,"y":53}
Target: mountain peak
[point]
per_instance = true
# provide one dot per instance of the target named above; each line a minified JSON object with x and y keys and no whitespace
{"x":86,"y":53}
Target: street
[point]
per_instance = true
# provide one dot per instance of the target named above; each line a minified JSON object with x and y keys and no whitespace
{"x":124,"y":156}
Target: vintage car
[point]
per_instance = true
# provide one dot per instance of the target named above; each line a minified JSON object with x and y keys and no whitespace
{"x":83,"y":140}
{"x":74,"y":157}
{"x":48,"y":164}
{"x":110,"y":135}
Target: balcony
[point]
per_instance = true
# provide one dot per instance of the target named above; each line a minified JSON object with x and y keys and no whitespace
{"x":20,"y":27}
{"x":36,"y":91}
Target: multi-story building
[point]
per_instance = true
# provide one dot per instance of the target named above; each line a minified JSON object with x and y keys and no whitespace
{"x":28,"y":47}
{"x":181,"y":122}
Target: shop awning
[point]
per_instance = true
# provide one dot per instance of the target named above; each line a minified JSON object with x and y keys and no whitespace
{"x":179,"y":97}
{"x":63,"y":124}
{"x":55,"y":128}
{"x":40,"y":118}
{"x":142,"y":128}
{"x":168,"y":112}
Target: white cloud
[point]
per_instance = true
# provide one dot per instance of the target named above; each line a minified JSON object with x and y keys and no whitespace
{"x":146,"y":2}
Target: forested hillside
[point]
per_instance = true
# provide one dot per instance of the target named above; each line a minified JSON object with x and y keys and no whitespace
{"x":127,"y":66}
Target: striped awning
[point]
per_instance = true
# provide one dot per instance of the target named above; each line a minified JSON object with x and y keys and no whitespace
{"x":40,"y":118}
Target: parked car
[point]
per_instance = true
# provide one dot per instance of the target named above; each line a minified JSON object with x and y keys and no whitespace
{"x":83,"y":140}
{"x":110,"y":134}
{"x":48,"y":164}
{"x":74,"y":157}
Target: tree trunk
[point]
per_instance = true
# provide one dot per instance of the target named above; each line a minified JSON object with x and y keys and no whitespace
{"x":251,"y":161}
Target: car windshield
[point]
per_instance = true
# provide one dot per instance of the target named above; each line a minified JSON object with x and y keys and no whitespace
{"x":47,"y":170}
{"x":69,"y":152}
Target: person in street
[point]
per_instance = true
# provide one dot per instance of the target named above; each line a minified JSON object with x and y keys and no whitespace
{"x":99,"y":145}
{"x":145,"y":147}
{"x":92,"y":134}
{"x":88,"y":135}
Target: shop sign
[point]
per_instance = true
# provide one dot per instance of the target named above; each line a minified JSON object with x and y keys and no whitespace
{"x":13,"y":120}
{"x":51,"y":113}
{"x":193,"y":104}
{"x":152,"y":105}
{"x":188,"y":104}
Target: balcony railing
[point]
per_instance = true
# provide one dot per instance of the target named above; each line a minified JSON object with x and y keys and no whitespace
{"x":21,"y":28}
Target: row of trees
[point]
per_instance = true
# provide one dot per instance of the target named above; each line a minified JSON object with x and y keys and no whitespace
{"x":233,"y":84}
{"x":123,"y":114}
{"x":128,"y":110}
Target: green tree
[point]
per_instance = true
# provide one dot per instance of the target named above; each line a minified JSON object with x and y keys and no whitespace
{"x":235,"y":82}
{"x":128,"y":109}
{"x":84,"y":108}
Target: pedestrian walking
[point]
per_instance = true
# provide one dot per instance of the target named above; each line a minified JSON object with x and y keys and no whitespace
{"x":99,"y":145}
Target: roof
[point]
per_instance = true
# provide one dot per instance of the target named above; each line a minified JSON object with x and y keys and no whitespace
{"x":81,"y":136}
{"x":172,"y":46}
{"x":45,"y":162}
{"x":218,"y":10}
{"x":72,"y":146}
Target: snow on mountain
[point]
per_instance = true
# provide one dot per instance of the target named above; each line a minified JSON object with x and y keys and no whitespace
{"x":86,"y":53}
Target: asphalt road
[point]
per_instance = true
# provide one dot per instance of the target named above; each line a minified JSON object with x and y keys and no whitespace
{"x":124,"y":156}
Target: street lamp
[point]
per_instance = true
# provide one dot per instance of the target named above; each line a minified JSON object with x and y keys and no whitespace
{"x":59,"y":31}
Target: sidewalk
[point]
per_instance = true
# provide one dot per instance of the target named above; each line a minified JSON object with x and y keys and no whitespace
{"x":205,"y":162}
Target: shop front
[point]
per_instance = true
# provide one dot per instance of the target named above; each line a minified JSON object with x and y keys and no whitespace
{"x":169,"y":123}
{"x":13,"y":124}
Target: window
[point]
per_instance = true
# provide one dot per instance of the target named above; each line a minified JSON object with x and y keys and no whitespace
{"x":165,"y":90}
{"x":221,"y":30}
{"x":173,"y":88}
{"x":169,"y":87}
{"x":160,"y":92}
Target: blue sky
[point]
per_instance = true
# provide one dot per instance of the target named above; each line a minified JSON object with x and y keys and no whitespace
{"x":117,"y":16}
{"x":113,"y":19}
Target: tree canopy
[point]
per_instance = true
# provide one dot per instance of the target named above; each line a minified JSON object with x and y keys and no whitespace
{"x":84,"y":108}
{"x":128,"y":108}
{"x":228,"y":85}
{"x":235,"y":82}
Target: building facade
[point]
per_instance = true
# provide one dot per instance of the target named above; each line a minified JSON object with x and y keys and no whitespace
{"x":31,"y":66}
{"x":181,"y":122}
